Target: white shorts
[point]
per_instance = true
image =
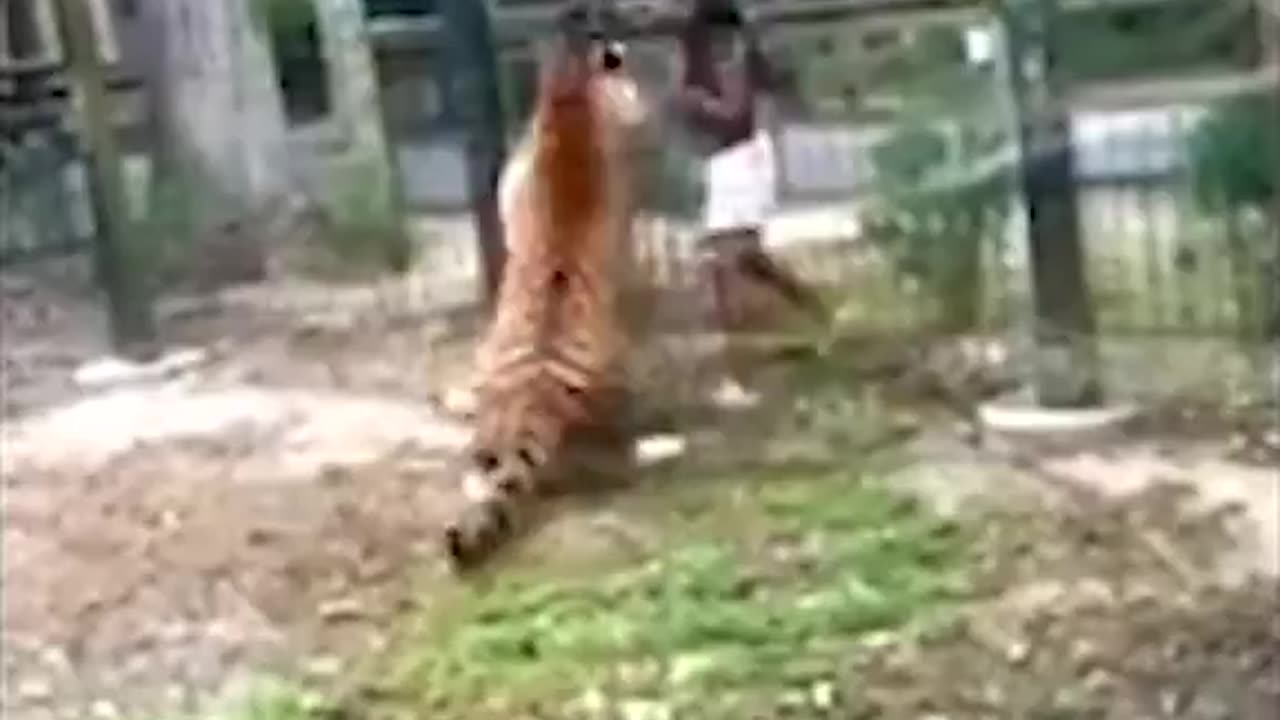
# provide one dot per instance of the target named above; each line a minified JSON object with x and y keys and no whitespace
{"x":741,"y":184}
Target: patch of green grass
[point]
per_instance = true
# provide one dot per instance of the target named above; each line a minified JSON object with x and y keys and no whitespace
{"x":715,"y":624}
{"x":279,"y":700}
{"x":367,"y":230}
{"x":765,"y":590}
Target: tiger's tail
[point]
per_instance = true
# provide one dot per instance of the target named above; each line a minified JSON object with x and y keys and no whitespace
{"x":516,"y":458}
{"x":497,"y":511}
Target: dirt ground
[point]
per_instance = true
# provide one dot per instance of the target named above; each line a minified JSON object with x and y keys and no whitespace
{"x":1114,"y":633}
{"x":1124,"y":581}
{"x":165,"y":539}
{"x":275,"y":505}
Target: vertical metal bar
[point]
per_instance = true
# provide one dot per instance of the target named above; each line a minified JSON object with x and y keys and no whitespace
{"x":1146,"y":207}
{"x":6,"y":54}
{"x":46,"y":27}
{"x":1066,"y":372}
{"x":1009,"y":257}
{"x":472,"y":82}
{"x":104,"y":28}
{"x":1187,"y":265}
{"x":120,"y":266}
{"x":1269,"y":36}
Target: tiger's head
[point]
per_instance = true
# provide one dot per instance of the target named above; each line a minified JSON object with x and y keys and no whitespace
{"x":588,"y":63}
{"x":578,"y":160}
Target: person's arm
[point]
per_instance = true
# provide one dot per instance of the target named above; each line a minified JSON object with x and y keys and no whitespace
{"x":728,"y":106}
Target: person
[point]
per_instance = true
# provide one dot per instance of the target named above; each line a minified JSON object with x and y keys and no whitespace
{"x":725,"y":76}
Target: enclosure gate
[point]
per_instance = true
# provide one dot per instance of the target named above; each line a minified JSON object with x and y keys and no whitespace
{"x":43,"y":200}
{"x":62,"y":191}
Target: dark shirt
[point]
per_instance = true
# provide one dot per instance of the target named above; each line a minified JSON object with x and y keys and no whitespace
{"x":717,"y":97}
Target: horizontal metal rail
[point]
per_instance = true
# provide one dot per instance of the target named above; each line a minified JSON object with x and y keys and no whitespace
{"x":640,"y":18}
{"x":51,"y":105}
{"x":519,"y":25}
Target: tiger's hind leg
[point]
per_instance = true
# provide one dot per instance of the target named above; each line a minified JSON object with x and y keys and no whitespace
{"x":595,"y":455}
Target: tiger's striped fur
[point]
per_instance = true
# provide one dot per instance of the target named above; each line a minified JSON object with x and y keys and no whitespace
{"x":551,"y":365}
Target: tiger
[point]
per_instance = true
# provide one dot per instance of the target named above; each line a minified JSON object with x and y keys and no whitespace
{"x":550,"y":367}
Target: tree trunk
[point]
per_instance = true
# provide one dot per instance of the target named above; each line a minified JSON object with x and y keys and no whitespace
{"x":217,"y":102}
{"x":353,"y":82}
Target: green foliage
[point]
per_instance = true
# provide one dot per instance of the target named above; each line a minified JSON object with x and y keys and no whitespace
{"x":931,"y":48}
{"x":840,"y":71}
{"x":1151,"y":39}
{"x":706,"y":626}
{"x":757,"y":593}
{"x":932,"y":226}
{"x":752,"y":604}
{"x":166,"y":235}
{"x":276,"y":700}
{"x":1235,"y":158}
{"x":904,"y":162}
{"x":1235,"y":152}
{"x":935,"y":203}
{"x":33,"y":197}
{"x":287,"y":18}
{"x":845,"y":66}
{"x":366,"y":232}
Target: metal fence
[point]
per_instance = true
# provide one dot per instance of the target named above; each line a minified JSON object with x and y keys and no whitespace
{"x":899,"y":173}
{"x":1177,"y":218}
{"x":1163,"y":254}
{"x":42,"y":197}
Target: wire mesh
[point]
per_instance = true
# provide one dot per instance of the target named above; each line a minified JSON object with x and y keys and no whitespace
{"x":898,"y":166}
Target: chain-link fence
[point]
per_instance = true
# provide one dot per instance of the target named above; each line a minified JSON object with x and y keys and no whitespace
{"x":38,"y":183}
{"x":897,"y":147}
{"x":1174,"y":218}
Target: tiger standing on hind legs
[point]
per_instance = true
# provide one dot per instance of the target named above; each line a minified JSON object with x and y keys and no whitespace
{"x":551,"y":365}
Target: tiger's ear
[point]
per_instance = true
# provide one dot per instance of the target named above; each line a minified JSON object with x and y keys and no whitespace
{"x":612,"y":55}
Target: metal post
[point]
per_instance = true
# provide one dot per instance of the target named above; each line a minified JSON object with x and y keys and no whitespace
{"x":471,"y":72}
{"x":1066,"y":366}
{"x":1269,"y":38}
{"x":121,"y":269}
